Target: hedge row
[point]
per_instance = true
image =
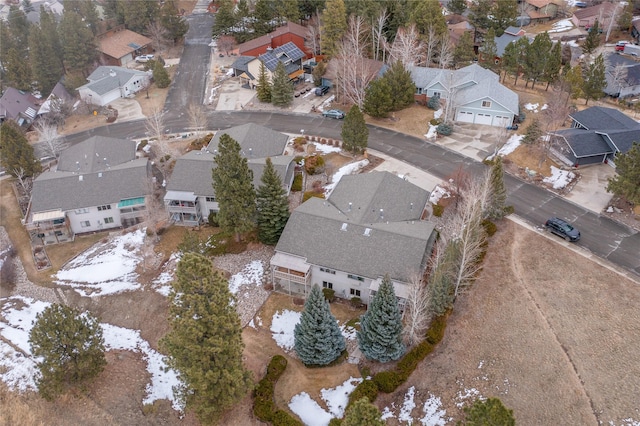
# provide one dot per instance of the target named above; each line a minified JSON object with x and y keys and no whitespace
{"x":263,"y":406}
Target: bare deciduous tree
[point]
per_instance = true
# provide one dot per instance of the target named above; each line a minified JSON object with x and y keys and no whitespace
{"x":155,"y":123}
{"x":197,"y":118}
{"x":619,"y":76}
{"x":354,"y":71}
{"x":377,"y":36}
{"x":416,"y":315}
{"x":159,"y":35}
{"x":49,"y":137}
{"x":407,"y":47}
{"x":431,"y":44}
{"x":24,"y":181}
{"x":226,"y":43}
{"x":313,"y":35}
{"x":445,"y":52}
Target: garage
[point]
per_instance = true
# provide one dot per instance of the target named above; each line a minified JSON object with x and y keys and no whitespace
{"x":501,"y":121}
{"x":483,"y":119}
{"x":465,"y":117}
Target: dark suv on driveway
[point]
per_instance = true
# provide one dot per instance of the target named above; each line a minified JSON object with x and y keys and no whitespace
{"x":563,"y":229}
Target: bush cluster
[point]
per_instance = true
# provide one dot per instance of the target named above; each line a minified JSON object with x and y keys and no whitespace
{"x":444,"y":129}
{"x":264,"y":407}
{"x":296,"y":186}
{"x":213,"y":219}
{"x":438,"y":210}
{"x":314,"y":164}
{"x":489,"y":227}
{"x":329,"y":294}
{"x":310,"y":194}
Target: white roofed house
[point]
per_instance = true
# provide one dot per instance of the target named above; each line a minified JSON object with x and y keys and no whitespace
{"x":190,"y":197}
{"x":98,"y":184}
{"x":108,"y":83}
{"x":370,"y":226}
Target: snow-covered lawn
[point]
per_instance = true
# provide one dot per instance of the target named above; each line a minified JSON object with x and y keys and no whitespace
{"x":326,"y":149}
{"x":251,"y":274}
{"x":336,"y":399}
{"x":510,"y":145}
{"x":348,"y":169}
{"x":561,"y":26}
{"x":559,"y":178}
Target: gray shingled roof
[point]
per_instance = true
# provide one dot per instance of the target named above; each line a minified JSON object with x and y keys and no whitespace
{"x":15,"y":102}
{"x":255,"y":141}
{"x":503,"y":41}
{"x":602,"y":118}
{"x":242,"y":65}
{"x":95,"y":154}
{"x":423,"y":76}
{"x":102,"y":81}
{"x":65,"y":191}
{"x":623,"y":139}
{"x":584,"y":143}
{"x":340,"y":240}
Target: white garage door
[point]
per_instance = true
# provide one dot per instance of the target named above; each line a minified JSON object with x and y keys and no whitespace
{"x":483,"y":118}
{"x":501,"y":121}
{"x":465,"y":117}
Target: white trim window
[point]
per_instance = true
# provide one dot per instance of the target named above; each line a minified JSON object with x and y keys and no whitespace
{"x":486,"y":104}
{"x":85,"y":224}
{"x":81,"y":211}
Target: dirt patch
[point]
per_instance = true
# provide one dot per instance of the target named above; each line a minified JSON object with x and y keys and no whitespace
{"x":413,"y":121}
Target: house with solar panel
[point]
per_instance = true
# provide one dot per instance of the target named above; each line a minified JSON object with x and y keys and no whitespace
{"x":190,"y":197}
{"x":371,"y":225}
{"x":98,"y":184}
{"x":18,"y":106}
{"x":108,"y":83}
{"x":248,"y":68}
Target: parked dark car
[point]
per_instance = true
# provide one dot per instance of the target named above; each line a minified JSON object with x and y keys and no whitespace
{"x":334,"y":113}
{"x":321,"y":90}
{"x":562,"y":229}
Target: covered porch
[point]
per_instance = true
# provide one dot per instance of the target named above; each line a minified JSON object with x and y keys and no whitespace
{"x":51,"y":227}
{"x":183,"y":208}
{"x":290,"y":274}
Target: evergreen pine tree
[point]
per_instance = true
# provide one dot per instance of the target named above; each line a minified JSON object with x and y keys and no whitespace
{"x":553,"y":65}
{"x":573,"y":77}
{"x":334,"y":19}
{"x":264,"y":85}
{"x":488,"y":412}
{"x":70,"y":347}
{"x":626,"y":181}
{"x":532,"y":133}
{"x":139,"y":14}
{"x":287,"y":10}
{"x":363,"y":413}
{"x":488,"y":51}
{"x":233,"y":186}
{"x":594,"y":80}
{"x":480,"y":16}
{"x":537,"y":56}
{"x":592,"y":41}
{"x":318,"y":340}
{"x":273,"y":206}
{"x":378,"y":99}
{"x":225,"y":18}
{"x":49,"y":27}
{"x":45,"y":67}
{"x":380,"y":335}
{"x":160,"y":75}
{"x":457,"y":7}
{"x":16,"y":152}
{"x":434,"y":102}
{"x":427,"y":14}
{"x":355,"y":132}
{"x":281,"y":88}
{"x":264,"y":14}
{"x":175,"y":25}
{"x":79,"y":46}
{"x":463,"y":53}
{"x":205,"y":342}
{"x":503,"y":15}
{"x":17,"y":69}
{"x":401,"y":85}
{"x":441,"y":285}
{"x":496,"y":207}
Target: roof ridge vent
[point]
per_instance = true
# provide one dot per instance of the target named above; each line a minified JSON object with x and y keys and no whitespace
{"x":344,"y":226}
{"x":367,"y":232}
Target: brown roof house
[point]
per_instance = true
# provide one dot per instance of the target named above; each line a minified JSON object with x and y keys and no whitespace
{"x":601,"y":12}
{"x":541,"y":10}
{"x":290,"y":32}
{"x":18,"y":106}
{"x":120,"y":46}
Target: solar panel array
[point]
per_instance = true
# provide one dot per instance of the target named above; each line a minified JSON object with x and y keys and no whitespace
{"x":286,"y":52}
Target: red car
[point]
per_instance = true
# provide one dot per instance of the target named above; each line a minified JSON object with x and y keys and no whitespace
{"x":620,"y":46}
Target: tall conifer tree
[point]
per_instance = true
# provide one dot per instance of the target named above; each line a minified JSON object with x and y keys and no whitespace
{"x":281,"y":88}
{"x":264,"y":85}
{"x":334,"y":19}
{"x":273,"y":206}
{"x":318,"y":340}
{"x":380,"y":335}
{"x":355,"y":133}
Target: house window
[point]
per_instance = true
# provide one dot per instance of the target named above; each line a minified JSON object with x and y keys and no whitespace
{"x":108,"y":220}
{"x":85,"y":224}
{"x":328,"y":271}
{"x":103,"y":208}
{"x":82,"y":211}
{"x":486,"y":104}
{"x":211,"y":199}
{"x":355,"y":277}
{"x":354,"y":292}
{"x":327,"y":284}
{"x":436,"y":94}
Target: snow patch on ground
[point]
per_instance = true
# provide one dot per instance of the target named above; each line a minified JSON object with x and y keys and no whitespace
{"x":250,"y":275}
{"x":431,"y":133}
{"x":348,"y":332}
{"x":162,"y":284}
{"x":438,"y":193}
{"x":437,"y":114}
{"x":408,"y":406}
{"x":308,"y":410}
{"x":559,"y":178}
{"x":348,"y":169}
{"x":535,"y":107}
{"x":337,"y":398}
{"x":282,"y":326}
{"x":561,"y":26}
{"x":434,"y":415}
{"x":326,"y":149}
{"x":512,"y":143}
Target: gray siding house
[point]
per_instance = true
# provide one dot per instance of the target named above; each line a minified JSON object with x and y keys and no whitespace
{"x":476,"y":93}
{"x":370,"y":226}
{"x":596,"y":135}
{"x":98,"y":184}
{"x":190,"y":196}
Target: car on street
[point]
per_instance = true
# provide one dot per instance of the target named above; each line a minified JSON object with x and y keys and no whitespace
{"x":620,"y":45}
{"x":334,"y":113}
{"x":562,"y":228}
{"x":144,"y":58}
{"x":321,"y":90}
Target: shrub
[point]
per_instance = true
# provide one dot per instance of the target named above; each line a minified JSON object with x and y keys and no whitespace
{"x":335,"y":422}
{"x":314,"y":164}
{"x":434,"y":121}
{"x":213,"y":219}
{"x":444,"y":129}
{"x":296,"y":186}
{"x":263,"y":406}
{"x":142,"y":144}
{"x":489,"y":227}
{"x":298,"y":159}
{"x":435,"y":333}
{"x":509,"y":210}
{"x":310,"y":194}
{"x":367,"y":388}
{"x":356,"y":302}
{"x":387,"y":381}
{"x":434,"y":102}
{"x":438,"y":210}
{"x":282,"y":418}
{"x":410,"y":361}
{"x":329,"y":294}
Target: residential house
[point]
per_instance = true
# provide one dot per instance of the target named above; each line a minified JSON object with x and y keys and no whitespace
{"x":190,"y":197}
{"x":510,"y":35}
{"x":370,"y":226}
{"x":288,"y":33}
{"x":596,"y":135}
{"x":601,"y":12}
{"x":59,"y":95}
{"x":288,"y":54}
{"x":18,"y":106}
{"x":98,"y":184}
{"x":475,"y":92}
{"x":107,"y":83}
{"x":623,"y":76}
{"x":457,"y":26}
{"x":541,"y":10}
{"x":120,"y":46}
{"x":370,"y":70}
{"x":635,"y":30}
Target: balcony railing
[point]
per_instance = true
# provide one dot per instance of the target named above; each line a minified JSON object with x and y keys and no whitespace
{"x":291,"y":275}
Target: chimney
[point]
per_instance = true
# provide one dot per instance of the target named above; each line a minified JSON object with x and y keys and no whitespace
{"x":112,"y":73}
{"x":80,"y":178}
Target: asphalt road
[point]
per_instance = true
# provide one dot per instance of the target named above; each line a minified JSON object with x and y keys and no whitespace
{"x":600,"y":235}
